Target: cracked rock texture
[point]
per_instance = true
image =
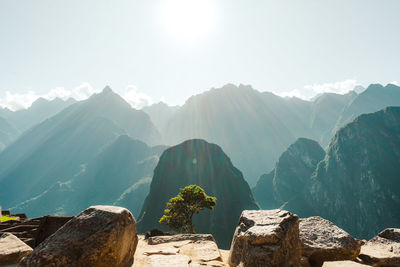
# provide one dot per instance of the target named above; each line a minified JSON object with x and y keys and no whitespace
{"x":99,"y":236}
{"x":323,"y":241}
{"x":181,"y":250}
{"x":266,"y":238}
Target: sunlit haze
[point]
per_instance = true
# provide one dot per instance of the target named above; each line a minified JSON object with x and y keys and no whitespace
{"x":169,"y":50}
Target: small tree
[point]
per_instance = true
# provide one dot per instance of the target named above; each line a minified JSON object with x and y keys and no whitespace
{"x":180,"y":209}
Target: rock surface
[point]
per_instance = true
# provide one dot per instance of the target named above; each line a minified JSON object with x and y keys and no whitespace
{"x":12,"y":250}
{"x":179,"y":251}
{"x":98,"y":236}
{"x":383,"y":250}
{"x":266,"y":238}
{"x":343,"y":264}
{"x":323,"y":241}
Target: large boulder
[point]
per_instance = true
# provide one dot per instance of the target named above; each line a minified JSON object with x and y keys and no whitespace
{"x":266,"y":238}
{"x":12,"y":249}
{"x":323,"y":241}
{"x":383,"y":250}
{"x":98,"y":236}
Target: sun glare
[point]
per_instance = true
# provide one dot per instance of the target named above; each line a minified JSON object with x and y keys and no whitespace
{"x":188,"y":20}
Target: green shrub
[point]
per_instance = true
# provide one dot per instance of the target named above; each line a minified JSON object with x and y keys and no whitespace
{"x":180,"y":209}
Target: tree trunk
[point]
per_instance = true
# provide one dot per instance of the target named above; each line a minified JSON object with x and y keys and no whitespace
{"x":191,"y":224}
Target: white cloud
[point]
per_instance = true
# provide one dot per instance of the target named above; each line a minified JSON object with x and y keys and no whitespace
{"x":337,"y":87}
{"x":294,"y":93}
{"x":309,"y":91}
{"x":135,"y":99}
{"x":16,"y":101}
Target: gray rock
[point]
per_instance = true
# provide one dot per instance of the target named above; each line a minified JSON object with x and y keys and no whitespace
{"x":323,"y":241}
{"x":12,"y":249}
{"x":183,"y":250}
{"x":99,"y":236}
{"x":383,"y":250}
{"x":266,"y":238}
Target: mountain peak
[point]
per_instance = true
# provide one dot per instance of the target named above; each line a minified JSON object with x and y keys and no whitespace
{"x":107,"y":90}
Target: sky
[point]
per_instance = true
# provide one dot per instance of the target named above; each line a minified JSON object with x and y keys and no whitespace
{"x":168,"y":50}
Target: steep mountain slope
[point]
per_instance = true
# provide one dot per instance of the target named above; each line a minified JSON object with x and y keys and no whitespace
{"x":8,"y":133}
{"x":40,"y":110}
{"x":204,"y":164}
{"x":253,"y":128}
{"x":119,"y":175}
{"x":160,"y":114}
{"x":55,"y":149}
{"x":357,"y":185}
{"x":284,"y":187}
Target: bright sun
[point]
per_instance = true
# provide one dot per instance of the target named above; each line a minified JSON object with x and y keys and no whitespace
{"x":188,"y":20}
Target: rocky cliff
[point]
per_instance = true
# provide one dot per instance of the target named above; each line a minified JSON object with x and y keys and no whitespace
{"x":357,"y":185}
{"x":284,"y":186}
{"x":199,"y":162}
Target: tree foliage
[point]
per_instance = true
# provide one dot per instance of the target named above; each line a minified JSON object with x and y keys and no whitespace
{"x":180,"y":209}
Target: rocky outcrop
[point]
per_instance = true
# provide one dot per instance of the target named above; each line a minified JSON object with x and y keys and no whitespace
{"x":12,"y":250}
{"x":323,"y":241}
{"x":204,"y":164}
{"x":98,"y":236}
{"x":178,"y":251}
{"x":383,"y":250}
{"x":266,"y":238}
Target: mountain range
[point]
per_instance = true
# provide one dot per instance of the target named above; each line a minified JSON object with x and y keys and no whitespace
{"x":102,"y":151}
{"x":57,"y":148}
{"x":255,"y":128}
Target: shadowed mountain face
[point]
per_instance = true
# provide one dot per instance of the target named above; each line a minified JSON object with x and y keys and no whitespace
{"x":119,"y":175}
{"x":357,"y":185}
{"x":55,"y":149}
{"x":204,"y":164}
{"x":284,"y":186}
